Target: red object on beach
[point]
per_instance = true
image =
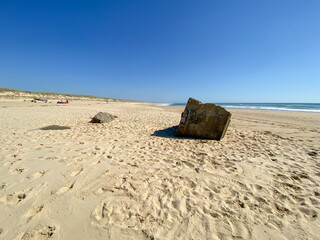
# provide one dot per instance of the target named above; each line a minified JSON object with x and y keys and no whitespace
{"x":63,"y":102}
{"x":115,"y":116}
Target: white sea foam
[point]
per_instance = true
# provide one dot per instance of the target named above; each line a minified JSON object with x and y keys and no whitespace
{"x":273,"y":108}
{"x":163,"y":104}
{"x":290,"y":107}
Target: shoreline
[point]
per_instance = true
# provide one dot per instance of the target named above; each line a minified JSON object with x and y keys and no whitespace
{"x":259,"y":108}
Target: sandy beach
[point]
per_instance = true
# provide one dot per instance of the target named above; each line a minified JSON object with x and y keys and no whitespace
{"x":133,"y":179}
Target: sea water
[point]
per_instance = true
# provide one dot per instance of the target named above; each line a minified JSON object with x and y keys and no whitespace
{"x":292,"y":107}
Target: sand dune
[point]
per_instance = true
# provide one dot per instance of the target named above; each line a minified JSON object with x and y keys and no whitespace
{"x":133,"y":179}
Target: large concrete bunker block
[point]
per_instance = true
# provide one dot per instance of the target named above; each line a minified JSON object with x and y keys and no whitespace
{"x":206,"y":121}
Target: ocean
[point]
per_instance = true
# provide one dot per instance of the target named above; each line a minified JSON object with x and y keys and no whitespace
{"x":291,"y":107}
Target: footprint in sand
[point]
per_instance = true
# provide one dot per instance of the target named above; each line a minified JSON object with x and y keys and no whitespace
{"x":40,"y":233}
{"x":95,"y":163}
{"x":2,"y":186}
{"x":50,"y":158}
{"x":36,"y":175}
{"x":238,"y":230}
{"x":190,"y":165}
{"x":309,"y":213}
{"x":76,"y":172}
{"x":14,"y":198}
{"x":33,"y":211}
{"x":18,"y":171}
{"x":8,"y":164}
{"x":64,"y":188}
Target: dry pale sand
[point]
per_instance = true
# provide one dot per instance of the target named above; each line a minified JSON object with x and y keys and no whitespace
{"x":132,"y":179}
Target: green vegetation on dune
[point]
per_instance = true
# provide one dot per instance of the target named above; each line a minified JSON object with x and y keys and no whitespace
{"x":13,"y":90}
{"x":51,"y":95}
{"x":48,"y":93}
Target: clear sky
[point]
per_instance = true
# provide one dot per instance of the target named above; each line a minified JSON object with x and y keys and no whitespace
{"x":164,"y":50}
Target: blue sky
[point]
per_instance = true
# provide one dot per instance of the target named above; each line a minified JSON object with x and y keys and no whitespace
{"x":164,"y":51}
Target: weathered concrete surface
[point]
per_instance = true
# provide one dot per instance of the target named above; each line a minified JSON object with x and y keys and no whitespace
{"x":102,"y":117}
{"x":203,"y":120}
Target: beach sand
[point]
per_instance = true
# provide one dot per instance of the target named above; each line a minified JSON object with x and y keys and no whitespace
{"x":133,"y":179}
